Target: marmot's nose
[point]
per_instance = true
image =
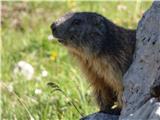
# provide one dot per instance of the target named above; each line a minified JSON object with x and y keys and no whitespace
{"x":53,"y":26}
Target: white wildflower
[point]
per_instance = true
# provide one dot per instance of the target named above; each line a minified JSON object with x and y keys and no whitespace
{"x":50,"y":38}
{"x":10,"y":88}
{"x":67,"y":100}
{"x":121,"y":7}
{"x":38,"y":91}
{"x":25,"y":69}
{"x":44,"y":73}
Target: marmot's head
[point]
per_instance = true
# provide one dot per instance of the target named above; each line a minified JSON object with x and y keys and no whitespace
{"x":83,"y":30}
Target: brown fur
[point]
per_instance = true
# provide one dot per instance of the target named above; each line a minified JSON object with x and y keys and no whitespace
{"x":105,"y":80}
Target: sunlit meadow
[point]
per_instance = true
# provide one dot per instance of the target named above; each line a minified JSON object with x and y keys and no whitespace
{"x":52,"y":86}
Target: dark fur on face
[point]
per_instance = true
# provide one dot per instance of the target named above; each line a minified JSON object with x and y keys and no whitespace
{"x":85,"y":30}
{"x":104,"y":50}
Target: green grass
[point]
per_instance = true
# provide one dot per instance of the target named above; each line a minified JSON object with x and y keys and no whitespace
{"x":25,"y":29}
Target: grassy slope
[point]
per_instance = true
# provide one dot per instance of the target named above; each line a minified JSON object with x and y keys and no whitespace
{"x":25,"y":28}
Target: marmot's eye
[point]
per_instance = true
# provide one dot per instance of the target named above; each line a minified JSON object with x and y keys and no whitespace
{"x":76,"y":22}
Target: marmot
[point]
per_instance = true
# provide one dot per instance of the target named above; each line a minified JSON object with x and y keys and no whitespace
{"x":103,"y":49}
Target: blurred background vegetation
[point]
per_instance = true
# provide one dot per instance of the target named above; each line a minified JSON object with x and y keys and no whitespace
{"x":25,"y":30}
